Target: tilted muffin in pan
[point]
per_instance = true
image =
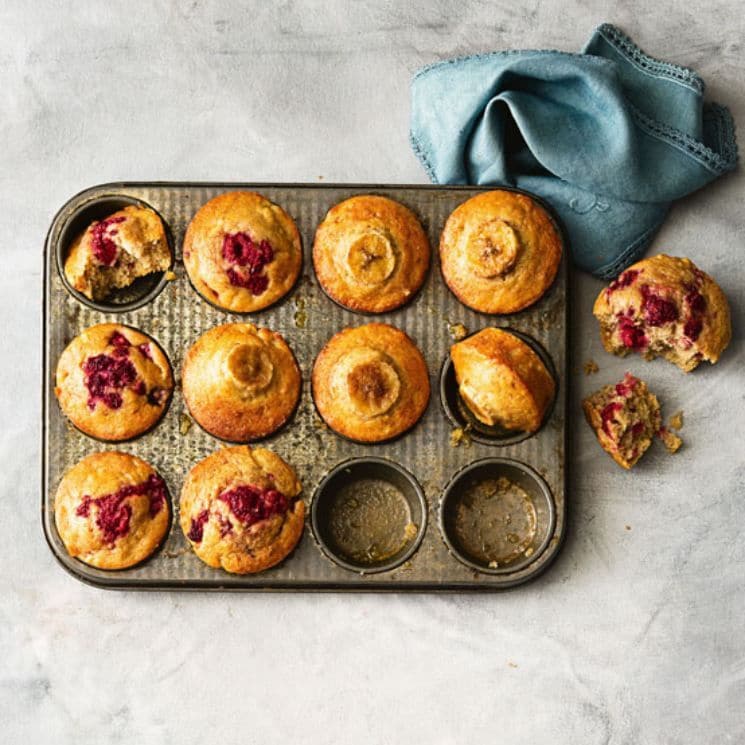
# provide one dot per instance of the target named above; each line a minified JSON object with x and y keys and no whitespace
{"x":499,"y":252}
{"x":370,"y":383}
{"x":112,"y":253}
{"x":113,"y":382}
{"x":371,"y":254}
{"x":240,"y":382}
{"x":111,"y":510}
{"x":240,"y":509}
{"x":242,"y":252}
{"x":665,"y":306}
{"x":502,"y":381}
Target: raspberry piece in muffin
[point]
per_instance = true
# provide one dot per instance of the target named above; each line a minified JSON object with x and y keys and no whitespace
{"x":242,"y":252}
{"x":625,"y":417}
{"x":113,"y":382}
{"x":240,"y":509}
{"x":111,"y":510}
{"x":112,"y":253}
{"x":667,"y":307}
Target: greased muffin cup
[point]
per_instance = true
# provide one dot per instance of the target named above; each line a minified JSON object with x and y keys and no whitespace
{"x":369,"y":515}
{"x":405,"y":549}
{"x":75,"y":221}
{"x":497,"y":515}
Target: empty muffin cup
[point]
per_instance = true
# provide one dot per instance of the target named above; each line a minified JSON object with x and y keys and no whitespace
{"x":462,"y":417}
{"x":143,"y":289}
{"x":497,"y":515}
{"x":368,"y":515}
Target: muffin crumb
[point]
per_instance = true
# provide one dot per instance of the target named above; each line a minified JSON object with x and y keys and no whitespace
{"x":170,"y":275}
{"x":670,"y":440}
{"x":676,"y":421}
{"x":590,"y":367}
{"x":459,"y":436}
{"x":185,"y":424}
{"x":458,"y":331}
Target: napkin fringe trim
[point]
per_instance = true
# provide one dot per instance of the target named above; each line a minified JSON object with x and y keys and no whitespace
{"x":422,"y":156}
{"x":629,"y":49}
{"x":504,"y":53}
{"x":717,"y":162}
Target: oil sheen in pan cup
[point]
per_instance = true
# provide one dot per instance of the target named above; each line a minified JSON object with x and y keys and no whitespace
{"x":497,"y":515}
{"x":142,"y":290}
{"x":369,"y":515}
{"x":461,"y":416}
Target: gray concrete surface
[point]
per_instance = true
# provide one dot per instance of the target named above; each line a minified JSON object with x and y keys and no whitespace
{"x":636,"y":635}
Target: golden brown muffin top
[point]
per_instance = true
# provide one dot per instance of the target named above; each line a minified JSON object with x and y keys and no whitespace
{"x":111,"y":510}
{"x":502,"y":380}
{"x":370,"y":383}
{"x":241,"y":382}
{"x":113,"y":382}
{"x":242,"y":252}
{"x":240,"y":509}
{"x":499,"y":252}
{"x":371,"y":254}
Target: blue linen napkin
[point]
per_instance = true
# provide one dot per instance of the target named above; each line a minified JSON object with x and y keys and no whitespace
{"x":609,"y":138}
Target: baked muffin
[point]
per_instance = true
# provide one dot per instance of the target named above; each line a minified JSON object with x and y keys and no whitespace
{"x":240,"y":382}
{"x":371,"y":254}
{"x":667,"y":307}
{"x":113,"y":382}
{"x":111,"y":510}
{"x":112,"y":253}
{"x":240,"y":509}
{"x":502,"y":381}
{"x":242,"y":252}
{"x":370,"y":383}
{"x":626,"y":417}
{"x":499,"y":252}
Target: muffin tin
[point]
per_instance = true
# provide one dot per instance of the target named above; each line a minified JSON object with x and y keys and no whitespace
{"x":418,"y":478}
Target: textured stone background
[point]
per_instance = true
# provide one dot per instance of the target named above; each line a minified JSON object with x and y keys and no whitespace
{"x":636,"y":634}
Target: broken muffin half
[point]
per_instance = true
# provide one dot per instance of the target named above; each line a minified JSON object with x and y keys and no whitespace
{"x":626,"y":418}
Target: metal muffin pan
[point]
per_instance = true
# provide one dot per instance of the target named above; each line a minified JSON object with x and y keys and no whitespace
{"x":425,"y":460}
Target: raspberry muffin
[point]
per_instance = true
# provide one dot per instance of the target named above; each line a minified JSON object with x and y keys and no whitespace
{"x":626,"y":417}
{"x":371,"y":254}
{"x":113,"y":382}
{"x":499,"y":252}
{"x":370,"y":383}
{"x":112,"y":253}
{"x":240,"y":382}
{"x":242,"y":252}
{"x":665,"y":306}
{"x":240,"y":509}
{"x":111,"y":510}
{"x":502,"y":381}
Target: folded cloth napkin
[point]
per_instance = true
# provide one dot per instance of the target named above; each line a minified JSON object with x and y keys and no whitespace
{"x":609,"y":138}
